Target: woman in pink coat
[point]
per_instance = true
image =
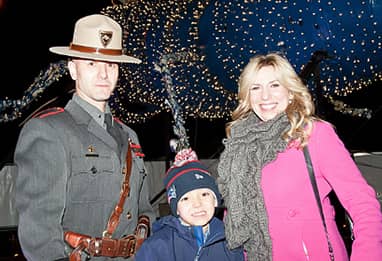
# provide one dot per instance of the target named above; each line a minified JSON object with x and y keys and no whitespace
{"x":265,"y":183}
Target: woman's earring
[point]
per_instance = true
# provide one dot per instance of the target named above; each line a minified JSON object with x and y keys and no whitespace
{"x":290,"y":98}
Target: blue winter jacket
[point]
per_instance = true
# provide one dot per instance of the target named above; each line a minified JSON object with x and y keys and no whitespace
{"x":172,"y":241}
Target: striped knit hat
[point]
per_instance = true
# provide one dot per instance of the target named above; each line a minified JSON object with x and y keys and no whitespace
{"x":186,"y":174}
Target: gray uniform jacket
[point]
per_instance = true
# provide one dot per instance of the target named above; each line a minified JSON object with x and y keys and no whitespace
{"x":69,"y":178}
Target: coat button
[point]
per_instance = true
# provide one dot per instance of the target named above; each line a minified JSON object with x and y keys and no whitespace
{"x":292,"y":213}
{"x":128,"y":215}
{"x":93,"y":170}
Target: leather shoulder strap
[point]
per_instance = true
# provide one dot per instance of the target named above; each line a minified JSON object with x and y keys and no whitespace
{"x":125,"y":189}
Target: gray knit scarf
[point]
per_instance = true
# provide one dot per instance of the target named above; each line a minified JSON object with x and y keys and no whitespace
{"x":252,"y":145}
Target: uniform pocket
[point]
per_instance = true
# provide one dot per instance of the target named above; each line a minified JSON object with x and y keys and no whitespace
{"x":92,"y":177}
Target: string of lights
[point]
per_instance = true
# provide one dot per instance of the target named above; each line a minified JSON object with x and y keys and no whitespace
{"x":164,"y":67}
{"x":12,"y":109}
{"x":219,"y":38}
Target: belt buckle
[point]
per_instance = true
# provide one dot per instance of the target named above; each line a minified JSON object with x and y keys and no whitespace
{"x":97,"y":246}
{"x":94,"y":247}
{"x":127,"y":246}
{"x":106,"y":234}
{"x":131,"y":246}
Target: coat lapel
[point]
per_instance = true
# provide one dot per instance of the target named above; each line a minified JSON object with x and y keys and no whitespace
{"x":102,"y":134}
{"x":124,"y":137}
{"x":81,"y":117}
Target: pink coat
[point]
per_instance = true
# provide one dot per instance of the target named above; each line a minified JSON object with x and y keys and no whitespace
{"x":295,"y":225}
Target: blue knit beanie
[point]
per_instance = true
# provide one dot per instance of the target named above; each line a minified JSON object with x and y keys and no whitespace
{"x":187,"y":175}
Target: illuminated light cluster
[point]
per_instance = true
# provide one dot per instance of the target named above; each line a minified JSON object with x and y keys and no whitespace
{"x":12,"y":109}
{"x":345,"y":109}
{"x":221,"y":36}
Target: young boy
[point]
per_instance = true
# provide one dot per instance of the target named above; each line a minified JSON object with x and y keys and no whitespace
{"x":192,"y":232}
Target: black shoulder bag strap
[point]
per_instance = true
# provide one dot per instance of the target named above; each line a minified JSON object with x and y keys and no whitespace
{"x":317,"y":195}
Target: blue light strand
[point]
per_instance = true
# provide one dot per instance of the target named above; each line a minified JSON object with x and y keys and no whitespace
{"x":13,"y":109}
{"x":220,"y":37}
{"x":164,"y":67}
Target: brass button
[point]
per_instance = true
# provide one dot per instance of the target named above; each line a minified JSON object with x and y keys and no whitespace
{"x":93,"y":170}
{"x":128,"y":215}
{"x":292,"y":212}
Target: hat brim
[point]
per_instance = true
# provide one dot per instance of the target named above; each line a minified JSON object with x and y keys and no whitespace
{"x":94,"y":56}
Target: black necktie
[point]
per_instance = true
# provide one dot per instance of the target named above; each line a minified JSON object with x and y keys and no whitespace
{"x":109,"y":127}
{"x":108,"y":121}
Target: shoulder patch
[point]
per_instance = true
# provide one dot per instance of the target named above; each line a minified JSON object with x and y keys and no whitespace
{"x":118,"y":120}
{"x":48,"y":112}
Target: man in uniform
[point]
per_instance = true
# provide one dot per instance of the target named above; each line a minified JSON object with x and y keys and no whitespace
{"x":82,"y":187}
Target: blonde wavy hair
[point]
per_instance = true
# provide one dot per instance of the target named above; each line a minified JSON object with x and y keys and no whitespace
{"x":300,"y":111}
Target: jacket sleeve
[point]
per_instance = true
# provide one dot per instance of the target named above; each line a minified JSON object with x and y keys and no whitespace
{"x":40,"y":191}
{"x":334,"y":162}
{"x":154,"y":249}
{"x":145,"y":253}
{"x":144,"y":205}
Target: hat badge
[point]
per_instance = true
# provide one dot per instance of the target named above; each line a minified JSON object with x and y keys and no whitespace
{"x":105,"y":37}
{"x":198,"y":176}
{"x":171,"y":194}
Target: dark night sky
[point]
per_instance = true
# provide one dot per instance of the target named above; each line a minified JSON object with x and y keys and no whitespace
{"x":29,"y":28}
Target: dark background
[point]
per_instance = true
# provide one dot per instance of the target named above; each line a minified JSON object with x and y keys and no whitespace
{"x":29,"y":28}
